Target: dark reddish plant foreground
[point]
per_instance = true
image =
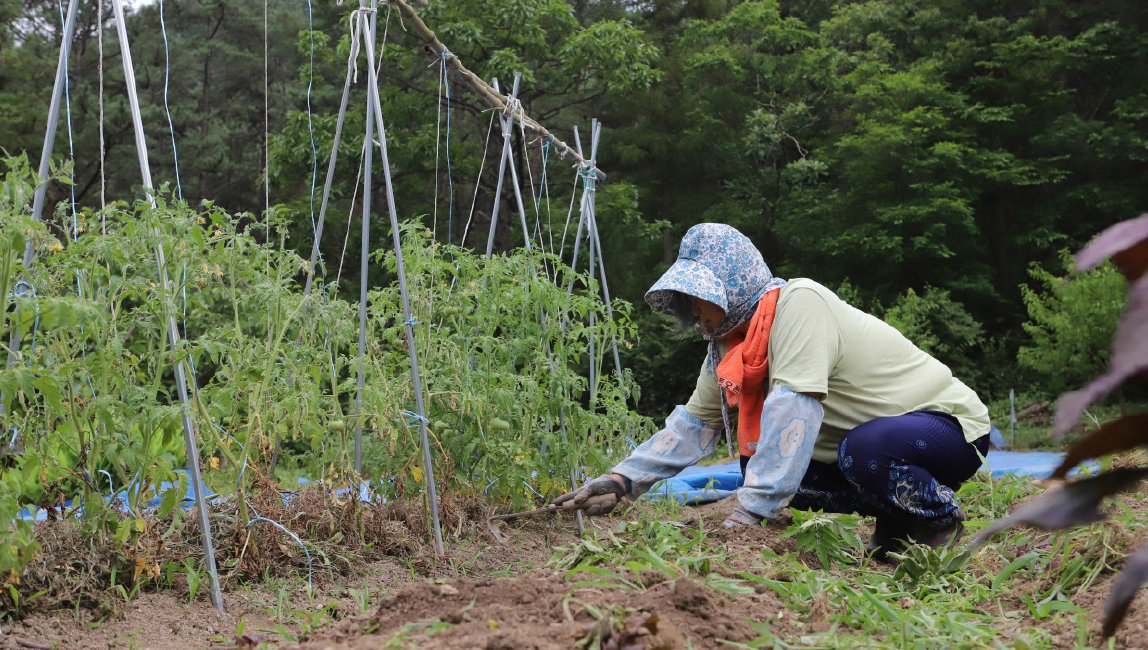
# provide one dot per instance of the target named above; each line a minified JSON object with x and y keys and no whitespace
{"x":1079,"y":502}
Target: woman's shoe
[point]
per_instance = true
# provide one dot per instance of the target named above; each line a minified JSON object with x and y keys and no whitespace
{"x":891,"y":535}
{"x":888,"y":537}
{"x":939,"y":534}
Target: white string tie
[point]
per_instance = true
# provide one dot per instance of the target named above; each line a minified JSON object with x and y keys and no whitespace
{"x":357,"y":21}
{"x":513,"y":105}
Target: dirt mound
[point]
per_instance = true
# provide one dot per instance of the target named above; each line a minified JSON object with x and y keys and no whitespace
{"x":546,"y":613}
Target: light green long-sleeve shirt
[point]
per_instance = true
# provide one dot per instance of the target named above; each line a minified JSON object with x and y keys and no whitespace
{"x":863,"y":366}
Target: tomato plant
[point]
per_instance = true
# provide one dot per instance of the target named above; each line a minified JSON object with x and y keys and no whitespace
{"x":502,"y":348}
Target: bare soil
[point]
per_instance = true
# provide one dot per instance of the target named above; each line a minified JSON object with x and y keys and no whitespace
{"x":493,"y":596}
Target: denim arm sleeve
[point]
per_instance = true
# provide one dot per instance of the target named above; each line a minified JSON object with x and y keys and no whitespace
{"x":684,"y":441}
{"x":789,"y":425}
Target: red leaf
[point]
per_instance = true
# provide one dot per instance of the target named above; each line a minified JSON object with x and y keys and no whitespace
{"x":1126,"y":243}
{"x":1122,"y":434}
{"x":1129,"y":358}
{"x":1124,"y":589}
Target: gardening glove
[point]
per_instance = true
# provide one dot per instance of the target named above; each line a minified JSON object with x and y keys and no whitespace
{"x":742,"y":517}
{"x":605,"y":485}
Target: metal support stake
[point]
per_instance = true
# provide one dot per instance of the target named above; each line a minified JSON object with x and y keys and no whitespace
{"x":420,"y":407}
{"x":588,"y":207}
{"x":501,"y":170}
{"x":602,"y":266}
{"x":366,"y":246}
{"x":577,"y":237}
{"x":172,"y":326}
{"x":327,"y":183}
{"x":53,"y":121}
{"x":319,"y":226}
{"x":507,"y":123}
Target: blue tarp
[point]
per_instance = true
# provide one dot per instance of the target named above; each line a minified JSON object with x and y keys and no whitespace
{"x":996,"y":438}
{"x":703,"y":484}
{"x":365,"y":495}
{"x":122,"y":497}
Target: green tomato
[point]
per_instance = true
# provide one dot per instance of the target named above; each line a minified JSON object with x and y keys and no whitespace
{"x":336,"y":426}
{"x":498,"y":424}
{"x":451,"y":311}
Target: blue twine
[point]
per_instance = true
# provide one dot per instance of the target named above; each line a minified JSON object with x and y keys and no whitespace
{"x":293,"y":536}
{"x":531,"y":488}
{"x":411,"y":321}
{"x":170,"y":127}
{"x":414,"y":418}
{"x":243,"y":469}
{"x":111,"y":486}
{"x":588,"y":177}
{"x":310,"y":127}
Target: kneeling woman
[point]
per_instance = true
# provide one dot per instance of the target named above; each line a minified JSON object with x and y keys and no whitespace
{"x":836,"y":409}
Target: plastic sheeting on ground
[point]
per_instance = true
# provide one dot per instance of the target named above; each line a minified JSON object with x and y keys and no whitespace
{"x":703,"y":484}
{"x":122,"y":497}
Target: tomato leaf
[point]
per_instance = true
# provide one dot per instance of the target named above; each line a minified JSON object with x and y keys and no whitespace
{"x":1075,"y":504}
{"x":1129,"y":358}
{"x":49,"y":387}
{"x":1124,"y":589}
{"x":1119,"y":435}
{"x":1126,"y":243}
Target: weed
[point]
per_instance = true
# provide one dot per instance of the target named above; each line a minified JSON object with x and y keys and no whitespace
{"x":20,"y":605}
{"x":194,"y":576}
{"x":832,"y":537}
{"x":134,"y":642}
{"x":402,"y":638}
{"x":362,"y":598}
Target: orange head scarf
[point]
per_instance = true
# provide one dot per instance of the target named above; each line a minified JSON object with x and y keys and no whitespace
{"x":744,"y":369}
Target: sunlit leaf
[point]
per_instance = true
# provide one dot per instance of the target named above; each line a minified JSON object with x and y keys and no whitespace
{"x":1129,"y":357}
{"x":1124,"y":589}
{"x":1119,"y":435}
{"x":1126,"y":243}
{"x":1075,"y":504}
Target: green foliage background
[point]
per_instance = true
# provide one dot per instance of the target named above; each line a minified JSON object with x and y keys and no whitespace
{"x":927,"y":153}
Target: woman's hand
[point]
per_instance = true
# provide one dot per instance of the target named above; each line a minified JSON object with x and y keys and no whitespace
{"x":607,"y":484}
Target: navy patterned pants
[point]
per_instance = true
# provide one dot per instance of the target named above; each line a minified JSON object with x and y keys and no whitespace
{"x":903,"y":468}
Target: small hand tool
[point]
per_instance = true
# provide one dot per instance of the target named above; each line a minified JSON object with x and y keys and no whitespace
{"x":568,"y":507}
